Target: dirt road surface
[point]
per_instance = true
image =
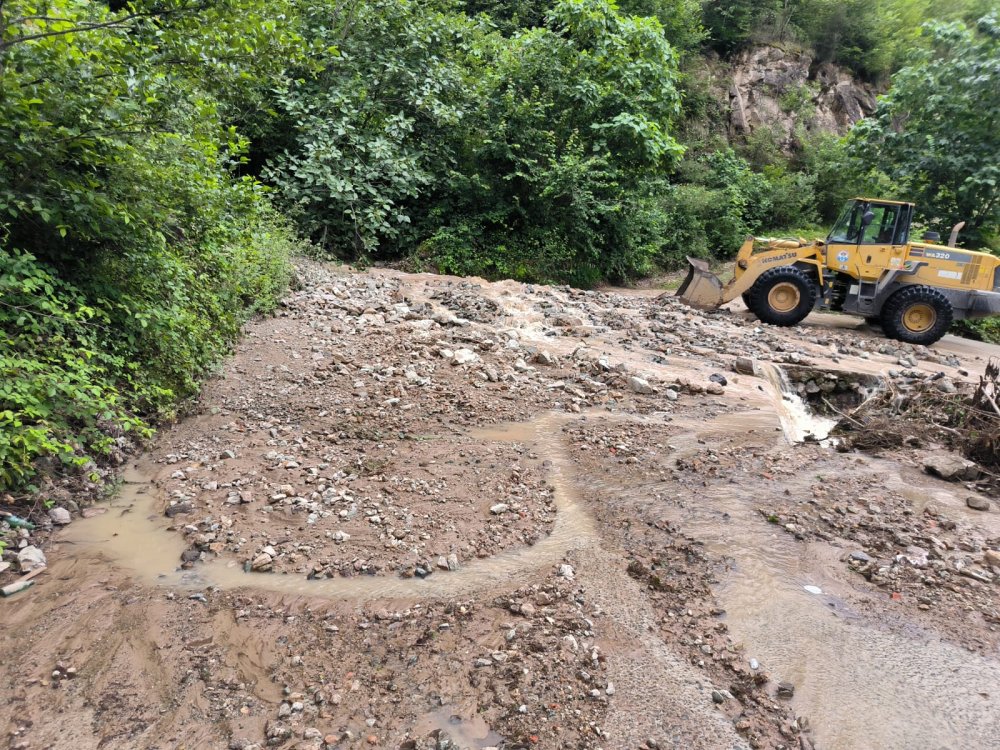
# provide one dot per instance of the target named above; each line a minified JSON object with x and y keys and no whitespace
{"x":433,"y":513}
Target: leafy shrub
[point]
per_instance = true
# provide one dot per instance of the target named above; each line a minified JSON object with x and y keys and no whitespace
{"x":699,"y":222}
{"x":130,"y":255}
{"x":982,"y":329}
{"x":792,"y":198}
{"x":527,"y":156}
{"x":57,"y":392}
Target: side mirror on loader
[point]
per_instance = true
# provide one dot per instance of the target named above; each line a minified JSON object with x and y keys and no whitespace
{"x":867,"y":218}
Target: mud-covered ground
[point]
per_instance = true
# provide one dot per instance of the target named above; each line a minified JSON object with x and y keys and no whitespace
{"x":423,"y":512}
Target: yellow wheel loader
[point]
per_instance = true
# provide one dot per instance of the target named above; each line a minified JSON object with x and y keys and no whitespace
{"x":867,"y":266}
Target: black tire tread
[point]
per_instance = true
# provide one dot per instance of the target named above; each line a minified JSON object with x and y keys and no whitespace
{"x":892,"y":314}
{"x":757,"y":295}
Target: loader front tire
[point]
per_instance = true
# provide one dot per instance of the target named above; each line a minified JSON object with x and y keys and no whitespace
{"x":782,"y":296}
{"x":917,"y":315}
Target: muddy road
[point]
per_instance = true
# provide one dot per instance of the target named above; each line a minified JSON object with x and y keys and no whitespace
{"x":424,"y":512}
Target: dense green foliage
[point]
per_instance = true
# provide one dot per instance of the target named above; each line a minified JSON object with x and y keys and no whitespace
{"x":129,"y":252}
{"x":936,"y":132}
{"x":532,"y":155}
{"x":558,"y":140}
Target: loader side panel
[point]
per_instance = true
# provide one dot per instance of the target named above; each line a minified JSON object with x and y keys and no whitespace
{"x":951,"y":268}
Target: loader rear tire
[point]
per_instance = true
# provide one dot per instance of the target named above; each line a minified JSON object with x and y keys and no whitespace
{"x":782,"y":296}
{"x":917,"y":315}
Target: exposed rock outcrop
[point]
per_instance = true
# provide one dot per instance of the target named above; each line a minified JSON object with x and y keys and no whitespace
{"x":771,"y":86}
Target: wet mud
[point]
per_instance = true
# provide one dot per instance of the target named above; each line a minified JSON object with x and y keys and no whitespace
{"x":574,"y":639}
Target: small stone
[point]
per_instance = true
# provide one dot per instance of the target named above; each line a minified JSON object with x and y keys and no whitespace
{"x":670,"y":394}
{"x":610,"y":689}
{"x":638,"y":385}
{"x":716,"y":377}
{"x":861,"y":557}
{"x":177,"y":509}
{"x":950,"y":467}
{"x":718,"y":697}
{"x":786,"y":690}
{"x":59,"y":516}
{"x":527,"y":609}
{"x":566,"y":571}
{"x":976,"y":574}
{"x":453,"y":562}
{"x":977,"y":503}
{"x":31,"y":558}
{"x":262,"y":562}
{"x":946,"y":385}
{"x":499,"y":508}
{"x":464,"y":357}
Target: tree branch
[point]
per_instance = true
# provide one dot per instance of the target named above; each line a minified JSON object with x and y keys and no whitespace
{"x":4,"y":46}
{"x":114,"y":23}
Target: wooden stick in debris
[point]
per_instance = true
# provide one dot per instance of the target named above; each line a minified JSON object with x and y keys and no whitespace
{"x":838,"y":411}
{"x":992,"y":402}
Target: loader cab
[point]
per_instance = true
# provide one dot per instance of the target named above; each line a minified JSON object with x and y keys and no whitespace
{"x":869,"y":237}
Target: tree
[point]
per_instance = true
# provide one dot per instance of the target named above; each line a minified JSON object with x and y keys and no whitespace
{"x":130,"y":254}
{"x":936,"y":133}
{"x":374,"y":128}
{"x":569,"y":136}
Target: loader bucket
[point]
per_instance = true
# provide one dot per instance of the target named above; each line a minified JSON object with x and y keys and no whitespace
{"x":702,"y":288}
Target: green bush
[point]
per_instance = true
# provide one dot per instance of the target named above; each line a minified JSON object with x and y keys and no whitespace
{"x":700,"y":222}
{"x":983,"y":329}
{"x":130,"y":254}
{"x":57,"y":391}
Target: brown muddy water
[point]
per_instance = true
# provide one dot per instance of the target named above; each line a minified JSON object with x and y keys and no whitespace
{"x":134,"y":534}
{"x":861,"y":684}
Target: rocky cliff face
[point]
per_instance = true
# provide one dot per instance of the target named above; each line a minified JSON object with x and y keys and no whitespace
{"x":783,"y":89}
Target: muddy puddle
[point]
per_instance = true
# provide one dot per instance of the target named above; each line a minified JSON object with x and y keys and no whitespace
{"x":134,"y":534}
{"x":466,"y":730}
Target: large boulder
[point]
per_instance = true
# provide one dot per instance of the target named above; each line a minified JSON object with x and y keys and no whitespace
{"x":950,"y":466}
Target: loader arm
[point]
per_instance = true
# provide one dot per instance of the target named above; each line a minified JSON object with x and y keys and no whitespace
{"x":704,"y":290}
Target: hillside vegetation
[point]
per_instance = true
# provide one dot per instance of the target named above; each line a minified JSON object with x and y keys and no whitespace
{"x":160,"y":160}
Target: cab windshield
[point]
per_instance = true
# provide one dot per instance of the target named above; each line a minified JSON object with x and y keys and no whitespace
{"x":881,"y":231}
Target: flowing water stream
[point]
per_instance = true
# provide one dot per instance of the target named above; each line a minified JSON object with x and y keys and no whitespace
{"x":134,"y":534}
{"x":861,"y":684}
